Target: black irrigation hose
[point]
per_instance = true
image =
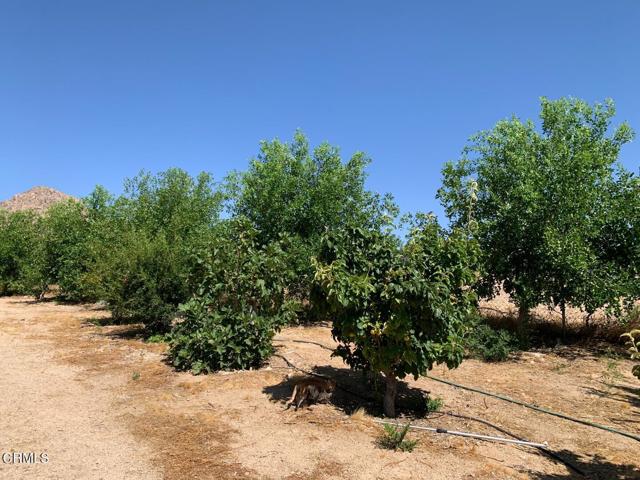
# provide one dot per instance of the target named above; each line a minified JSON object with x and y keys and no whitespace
{"x":539,"y":409}
{"x":304,"y":341}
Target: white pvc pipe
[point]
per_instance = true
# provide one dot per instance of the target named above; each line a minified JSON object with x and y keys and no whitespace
{"x":471,"y":435}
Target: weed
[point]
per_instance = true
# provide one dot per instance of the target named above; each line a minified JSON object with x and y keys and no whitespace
{"x":135,"y":376}
{"x":560,"y":367}
{"x":394,"y":439}
{"x":612,"y":373}
{"x":433,"y":404}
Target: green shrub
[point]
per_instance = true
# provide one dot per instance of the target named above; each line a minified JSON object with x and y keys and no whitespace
{"x":393,"y":438}
{"x":66,"y":232}
{"x":239,"y":304}
{"x":221,"y":340}
{"x":490,"y":344}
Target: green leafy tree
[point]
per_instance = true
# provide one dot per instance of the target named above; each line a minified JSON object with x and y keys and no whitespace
{"x":171,"y":203}
{"x":397,"y":309}
{"x":545,"y":204}
{"x":141,"y":243}
{"x":21,"y":253}
{"x":65,"y":233}
{"x":290,"y":189}
{"x":143,"y":279}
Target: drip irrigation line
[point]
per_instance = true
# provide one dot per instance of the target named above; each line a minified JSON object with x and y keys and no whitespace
{"x":539,"y":409}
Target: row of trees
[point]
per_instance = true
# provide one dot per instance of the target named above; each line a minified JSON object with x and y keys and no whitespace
{"x":548,"y":215}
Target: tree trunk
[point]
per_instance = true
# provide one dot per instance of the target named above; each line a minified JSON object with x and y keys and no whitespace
{"x":523,"y":315}
{"x":390,"y":395}
{"x":522,"y":327}
{"x":563,"y":309}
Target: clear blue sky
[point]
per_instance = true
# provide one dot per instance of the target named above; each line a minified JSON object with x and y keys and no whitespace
{"x":93,"y":91}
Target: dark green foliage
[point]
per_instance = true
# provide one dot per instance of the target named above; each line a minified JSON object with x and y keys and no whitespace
{"x":492,"y":345}
{"x":66,"y":240}
{"x":222,"y":339}
{"x":556,"y":216}
{"x":397,"y":309}
{"x":50,"y":249}
{"x":393,"y":438}
{"x":143,"y":279}
{"x":239,"y":304}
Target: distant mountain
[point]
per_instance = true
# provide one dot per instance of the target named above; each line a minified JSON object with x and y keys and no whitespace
{"x":38,"y":199}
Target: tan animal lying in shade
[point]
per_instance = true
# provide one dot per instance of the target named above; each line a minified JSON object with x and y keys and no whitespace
{"x":311,"y":389}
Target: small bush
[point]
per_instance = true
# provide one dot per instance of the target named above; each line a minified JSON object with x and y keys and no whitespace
{"x":220,"y":340}
{"x":393,"y":438}
{"x":158,"y":338}
{"x":491,"y":345}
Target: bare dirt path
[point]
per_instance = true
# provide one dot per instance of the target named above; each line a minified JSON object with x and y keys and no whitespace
{"x":49,"y":409}
{"x":103,"y":404}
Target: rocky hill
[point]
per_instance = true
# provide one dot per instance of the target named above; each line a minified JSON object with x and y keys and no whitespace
{"x":38,"y":199}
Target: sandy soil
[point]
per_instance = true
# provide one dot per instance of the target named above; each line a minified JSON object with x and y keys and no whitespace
{"x":103,"y":404}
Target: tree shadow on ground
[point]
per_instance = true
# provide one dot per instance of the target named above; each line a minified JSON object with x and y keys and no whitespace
{"x":117,"y":329}
{"x":595,"y":468}
{"x":357,"y":390}
{"x":621,"y":394}
{"x":32,"y":301}
{"x":53,"y":299}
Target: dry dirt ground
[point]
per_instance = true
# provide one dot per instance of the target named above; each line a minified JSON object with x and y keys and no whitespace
{"x":102,"y":404}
